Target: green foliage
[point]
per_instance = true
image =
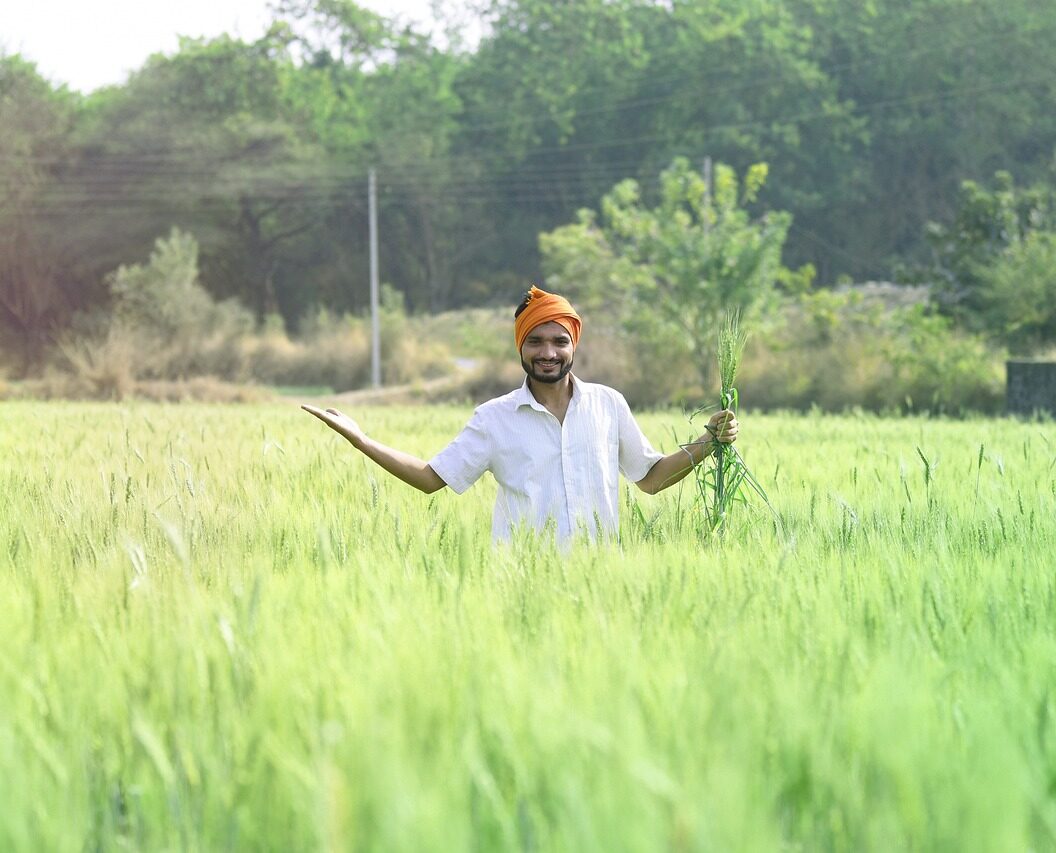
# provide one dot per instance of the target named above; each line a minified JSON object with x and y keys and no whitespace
{"x":985,"y":225}
{"x":217,"y":138}
{"x":160,"y":324}
{"x":1018,"y":292}
{"x":164,"y":300}
{"x":675,"y":268}
{"x":840,"y":349}
{"x":869,"y":116}
{"x":35,"y":256}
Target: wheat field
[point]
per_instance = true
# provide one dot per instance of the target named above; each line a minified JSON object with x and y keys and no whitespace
{"x":222,"y":629}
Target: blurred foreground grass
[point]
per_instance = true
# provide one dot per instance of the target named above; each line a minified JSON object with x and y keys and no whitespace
{"x":223,"y":629}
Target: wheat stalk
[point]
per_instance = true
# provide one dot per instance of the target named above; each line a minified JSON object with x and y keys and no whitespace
{"x":721,"y":485}
{"x":731,"y":346}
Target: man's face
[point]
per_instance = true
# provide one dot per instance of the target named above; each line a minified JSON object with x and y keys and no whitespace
{"x":547,"y":352}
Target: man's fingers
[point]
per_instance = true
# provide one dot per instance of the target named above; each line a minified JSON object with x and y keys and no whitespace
{"x":326,"y":417}
{"x":725,"y":427}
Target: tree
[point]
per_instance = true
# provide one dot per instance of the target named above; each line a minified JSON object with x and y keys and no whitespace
{"x":675,"y":268}
{"x":213,"y":139}
{"x":34,"y":123}
{"x":1018,"y":293}
{"x":401,"y":89}
{"x":986,"y":224}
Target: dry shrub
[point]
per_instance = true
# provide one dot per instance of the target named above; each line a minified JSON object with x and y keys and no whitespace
{"x":838,"y":350}
{"x":105,"y":360}
{"x":409,"y":358}
{"x":340,"y":359}
{"x":106,"y":367}
{"x":829,"y":375}
{"x":52,"y":385}
{"x":55,"y":385}
{"x":492,"y":378}
{"x":336,"y":352}
{"x":220,"y":355}
{"x":204,"y":389}
{"x":647,"y":372}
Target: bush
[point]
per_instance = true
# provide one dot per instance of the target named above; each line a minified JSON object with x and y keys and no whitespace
{"x":335,"y":351}
{"x":1019,"y":293}
{"x":106,"y":366}
{"x":340,"y":358}
{"x":163,"y":326}
{"x":492,"y":378}
{"x":650,"y":370}
{"x":839,"y":350}
{"x":55,"y":385}
{"x":188,"y":331}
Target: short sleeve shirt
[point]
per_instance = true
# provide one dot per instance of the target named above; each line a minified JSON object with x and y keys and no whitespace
{"x":548,"y":471}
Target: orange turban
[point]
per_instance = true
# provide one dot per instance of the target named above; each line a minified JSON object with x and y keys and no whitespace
{"x":546,"y":307}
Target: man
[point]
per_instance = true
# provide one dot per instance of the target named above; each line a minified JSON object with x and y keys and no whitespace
{"x":555,"y":446}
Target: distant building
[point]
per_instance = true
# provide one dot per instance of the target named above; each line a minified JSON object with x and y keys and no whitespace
{"x":1031,"y":387}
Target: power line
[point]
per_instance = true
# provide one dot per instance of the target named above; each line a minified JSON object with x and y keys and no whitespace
{"x":410,"y":186}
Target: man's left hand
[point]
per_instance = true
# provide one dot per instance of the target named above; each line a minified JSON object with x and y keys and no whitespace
{"x":722,"y":427}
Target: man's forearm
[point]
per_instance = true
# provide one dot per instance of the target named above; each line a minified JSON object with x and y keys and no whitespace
{"x":406,"y":467}
{"x":674,"y":467}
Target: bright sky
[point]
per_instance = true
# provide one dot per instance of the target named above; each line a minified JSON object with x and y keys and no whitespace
{"x":92,"y":43}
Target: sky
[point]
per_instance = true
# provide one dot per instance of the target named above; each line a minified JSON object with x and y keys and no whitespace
{"x":91,"y":43}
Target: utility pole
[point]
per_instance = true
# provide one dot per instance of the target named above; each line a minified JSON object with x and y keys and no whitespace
{"x":375,"y":322}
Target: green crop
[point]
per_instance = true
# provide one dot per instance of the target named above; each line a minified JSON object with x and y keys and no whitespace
{"x":224,"y":629}
{"x":724,"y":481}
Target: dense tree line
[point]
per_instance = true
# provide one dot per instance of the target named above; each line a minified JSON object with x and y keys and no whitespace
{"x":869,"y":117}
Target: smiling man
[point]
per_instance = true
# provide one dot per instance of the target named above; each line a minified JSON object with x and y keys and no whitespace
{"x":556,"y":446}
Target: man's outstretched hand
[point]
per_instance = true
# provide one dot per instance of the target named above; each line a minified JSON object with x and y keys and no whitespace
{"x":339,"y":423}
{"x":408,"y":468}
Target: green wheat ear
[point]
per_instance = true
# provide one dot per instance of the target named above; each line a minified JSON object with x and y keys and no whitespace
{"x":732,"y":340}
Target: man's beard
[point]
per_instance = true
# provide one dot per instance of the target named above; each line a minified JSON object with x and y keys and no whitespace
{"x":547,"y":378}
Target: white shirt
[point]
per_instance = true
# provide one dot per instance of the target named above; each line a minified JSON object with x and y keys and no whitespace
{"x":546,"y":470}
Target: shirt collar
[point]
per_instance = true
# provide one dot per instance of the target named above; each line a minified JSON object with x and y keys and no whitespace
{"x":524,"y":397}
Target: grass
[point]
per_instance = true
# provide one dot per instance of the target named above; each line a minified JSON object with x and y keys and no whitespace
{"x":222,"y":629}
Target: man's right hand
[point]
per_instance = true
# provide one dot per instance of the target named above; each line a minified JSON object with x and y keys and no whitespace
{"x":339,"y":423}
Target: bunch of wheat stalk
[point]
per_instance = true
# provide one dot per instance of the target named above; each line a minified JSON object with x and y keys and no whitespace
{"x":722,"y":484}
